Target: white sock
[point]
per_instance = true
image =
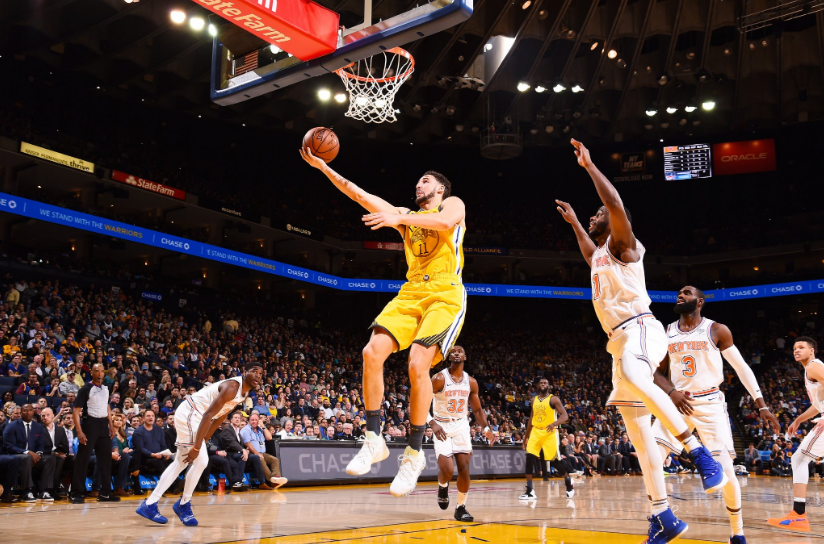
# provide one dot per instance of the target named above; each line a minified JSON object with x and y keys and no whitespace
{"x":462,"y":498}
{"x":443,"y":485}
{"x":372,"y":436}
{"x":691,"y":443}
{"x":660,"y":506}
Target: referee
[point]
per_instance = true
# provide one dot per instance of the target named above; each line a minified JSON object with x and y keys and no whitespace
{"x":93,"y":424}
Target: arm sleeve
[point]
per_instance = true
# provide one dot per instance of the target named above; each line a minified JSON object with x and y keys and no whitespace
{"x":745,"y":374}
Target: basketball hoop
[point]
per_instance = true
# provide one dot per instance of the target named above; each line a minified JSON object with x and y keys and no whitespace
{"x":373,"y":82}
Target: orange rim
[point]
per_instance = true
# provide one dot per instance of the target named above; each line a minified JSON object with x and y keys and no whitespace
{"x":396,"y":50}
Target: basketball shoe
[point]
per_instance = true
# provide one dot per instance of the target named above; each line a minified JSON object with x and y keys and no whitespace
{"x":372,"y":451}
{"x":443,"y":497}
{"x":412,"y":464}
{"x":462,"y":515}
{"x":665,"y":527}
{"x":184,"y":512}
{"x":712,"y":475}
{"x":529,"y":495}
{"x":150,"y":512}
{"x":792,"y":522}
{"x":738,"y":539}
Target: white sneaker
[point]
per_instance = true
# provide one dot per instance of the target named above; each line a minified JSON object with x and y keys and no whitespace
{"x":277,"y":482}
{"x":570,"y":493}
{"x":372,"y":451}
{"x":407,"y":478}
{"x":528,"y":496}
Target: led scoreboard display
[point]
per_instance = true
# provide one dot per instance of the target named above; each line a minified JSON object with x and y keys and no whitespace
{"x":687,"y":161}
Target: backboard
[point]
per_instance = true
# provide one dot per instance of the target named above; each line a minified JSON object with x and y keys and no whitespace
{"x":242,"y":75}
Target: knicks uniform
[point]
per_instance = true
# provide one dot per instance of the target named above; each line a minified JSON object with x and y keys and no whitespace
{"x":619,"y":294}
{"x":451,"y":407}
{"x":696,"y":366}
{"x":189,"y":414}
{"x":431,"y":305}
{"x":543,"y":414}
{"x":813,"y":446}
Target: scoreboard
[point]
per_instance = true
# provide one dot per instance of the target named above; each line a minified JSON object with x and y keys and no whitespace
{"x":687,"y":161}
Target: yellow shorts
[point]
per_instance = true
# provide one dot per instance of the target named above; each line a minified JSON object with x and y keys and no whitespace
{"x":541,"y":440}
{"x":426,"y":312}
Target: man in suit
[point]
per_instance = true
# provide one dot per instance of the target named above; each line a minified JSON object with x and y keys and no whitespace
{"x":221,"y":462}
{"x":606,"y":461}
{"x":428,"y":436}
{"x":615,"y":451}
{"x":9,"y":467}
{"x":56,"y":446}
{"x":231,"y":442}
{"x":24,"y":438}
{"x":629,"y":457}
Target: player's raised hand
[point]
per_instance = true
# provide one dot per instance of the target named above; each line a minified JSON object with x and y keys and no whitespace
{"x":567,"y":212}
{"x":581,"y":152}
{"x":314,"y":162}
{"x":382,"y":219}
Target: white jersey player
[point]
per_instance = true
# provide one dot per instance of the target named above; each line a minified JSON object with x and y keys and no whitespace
{"x":455,"y":393}
{"x":812,"y":447}
{"x":637,"y":343}
{"x":196,"y":419}
{"x":696,"y":350}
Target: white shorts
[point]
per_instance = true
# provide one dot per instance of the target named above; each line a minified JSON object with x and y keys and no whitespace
{"x":187,"y":422}
{"x":457,"y":440}
{"x":813,"y":445}
{"x":711,"y":420}
{"x":640,"y":341}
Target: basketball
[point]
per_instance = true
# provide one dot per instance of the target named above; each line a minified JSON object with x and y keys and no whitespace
{"x":322,"y":142}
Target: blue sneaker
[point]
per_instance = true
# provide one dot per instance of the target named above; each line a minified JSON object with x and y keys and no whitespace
{"x":738,"y":539}
{"x":712,"y":475}
{"x":665,"y":527}
{"x":184,"y":512}
{"x":150,"y":512}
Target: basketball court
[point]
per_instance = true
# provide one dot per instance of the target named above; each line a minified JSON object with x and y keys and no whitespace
{"x":609,"y":510}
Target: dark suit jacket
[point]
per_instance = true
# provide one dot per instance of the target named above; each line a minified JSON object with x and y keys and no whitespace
{"x":589,"y":449}
{"x":61,"y":440}
{"x":604,"y":450}
{"x":229,"y":441}
{"x":14,"y":438}
{"x":625,"y":448}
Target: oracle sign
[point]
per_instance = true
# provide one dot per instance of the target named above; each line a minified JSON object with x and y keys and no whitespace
{"x":301,"y":27}
{"x":744,"y":157}
{"x":147,"y":185}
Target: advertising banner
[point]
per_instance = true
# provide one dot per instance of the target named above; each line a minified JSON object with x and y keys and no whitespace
{"x":744,"y":157}
{"x":55,"y":157}
{"x":303,"y":28}
{"x":90,"y":223}
{"x":221,"y":207}
{"x":297,"y":229}
{"x":316,"y":461}
{"x":147,"y":185}
{"x":474,"y":250}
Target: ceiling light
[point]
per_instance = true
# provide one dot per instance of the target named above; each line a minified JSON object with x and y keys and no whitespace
{"x":543,"y":14}
{"x":661,"y":140}
{"x":533,"y":131}
{"x":488,"y":47}
{"x":663,"y":79}
{"x":612,"y":53}
{"x":664,"y":125}
{"x":751,"y":45}
{"x":577,"y":114}
{"x":197,"y":23}
{"x":459,"y":128}
{"x":559,"y":88}
{"x":691,"y":55}
{"x":523,"y":86}
{"x":450,"y":110}
{"x":539,"y":88}
{"x":577,"y":88}
{"x":765,"y":42}
{"x":549,"y":129}
{"x":178,"y":16}
{"x":566,"y":129}
{"x":648,"y":126}
{"x":340,"y":98}
{"x":702,"y":75}
{"x":671,"y":109}
{"x":593,"y":46}
{"x":690,"y":109}
{"x":727,"y":51}
{"x":212,"y":30}
{"x":526,"y":4}
{"x":651,"y":113}
{"x":709,"y":105}
{"x":621,"y":63}
{"x":682,"y":122}
{"x":569,"y":34}
{"x":324,"y":94}
{"x":696,"y":122}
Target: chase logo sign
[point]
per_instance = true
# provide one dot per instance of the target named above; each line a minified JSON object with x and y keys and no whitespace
{"x":6,"y":203}
{"x":787,"y":289}
{"x":151,"y":296}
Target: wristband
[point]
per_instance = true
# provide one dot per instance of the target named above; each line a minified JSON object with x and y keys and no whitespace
{"x":670,"y":393}
{"x":764,"y":408}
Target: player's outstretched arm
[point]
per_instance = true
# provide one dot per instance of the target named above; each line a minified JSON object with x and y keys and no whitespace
{"x":661,"y":379}
{"x":584,"y":241}
{"x":452,"y":213}
{"x":623,"y":239}
{"x":369,"y":201}
{"x":722,"y":337}
{"x":477,"y":409}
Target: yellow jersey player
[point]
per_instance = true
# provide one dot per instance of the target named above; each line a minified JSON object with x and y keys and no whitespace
{"x":548,"y":413}
{"x":426,"y":315}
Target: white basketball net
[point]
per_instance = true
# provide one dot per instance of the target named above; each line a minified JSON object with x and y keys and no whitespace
{"x":373,"y":82}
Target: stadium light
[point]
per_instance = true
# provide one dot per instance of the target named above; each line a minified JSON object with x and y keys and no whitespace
{"x":340,"y":98}
{"x":324,"y":94}
{"x":523,"y":86}
{"x":651,"y":113}
{"x":212,"y":30}
{"x":709,"y":105}
{"x":197,"y":23}
{"x":577,"y":88}
{"x":612,"y":53}
{"x":178,"y":16}
{"x":559,"y":88}
{"x":690,"y":108}
{"x":672,"y":109}
{"x":540,"y":88}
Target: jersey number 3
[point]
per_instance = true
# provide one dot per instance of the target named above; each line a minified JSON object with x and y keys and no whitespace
{"x":596,"y":287}
{"x":455,"y":405}
{"x":689,"y":366}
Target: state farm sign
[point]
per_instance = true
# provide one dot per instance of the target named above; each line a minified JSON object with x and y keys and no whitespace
{"x":147,"y":185}
{"x":744,"y":157}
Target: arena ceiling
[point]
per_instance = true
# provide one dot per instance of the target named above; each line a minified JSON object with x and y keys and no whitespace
{"x":667,"y":54}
